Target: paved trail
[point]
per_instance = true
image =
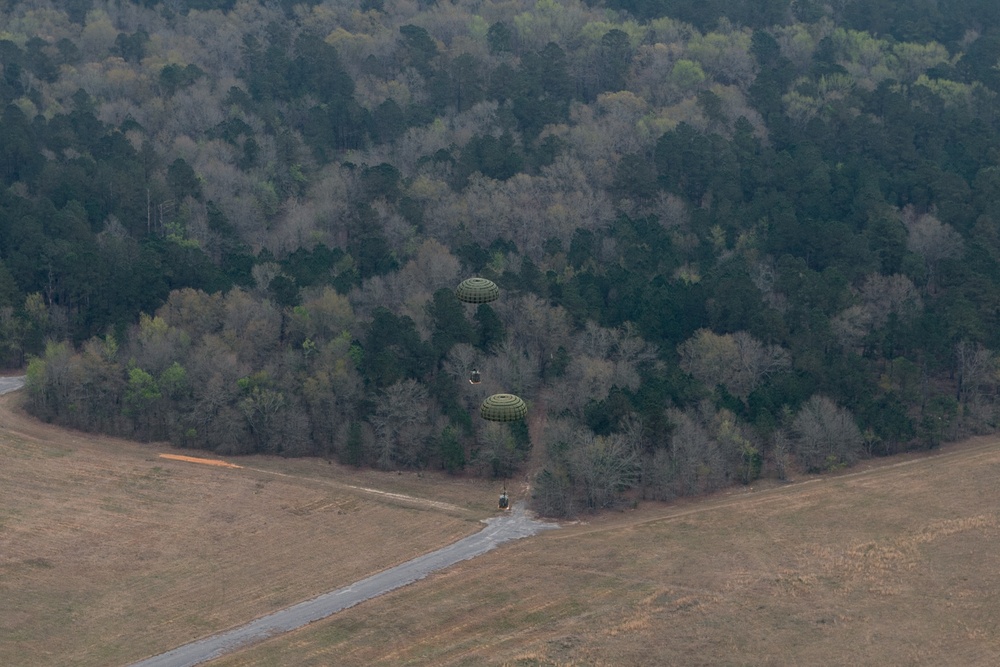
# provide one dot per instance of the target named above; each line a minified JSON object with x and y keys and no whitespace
{"x":513,"y":526}
{"x":12,"y":383}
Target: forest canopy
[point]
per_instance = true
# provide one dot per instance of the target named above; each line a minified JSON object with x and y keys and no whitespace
{"x":731,"y":239}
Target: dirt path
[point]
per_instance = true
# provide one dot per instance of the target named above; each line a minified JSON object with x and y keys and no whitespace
{"x":19,"y":423}
{"x":400,"y":497}
{"x":802,"y":488}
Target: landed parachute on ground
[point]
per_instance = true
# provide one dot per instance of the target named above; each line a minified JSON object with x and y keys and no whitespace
{"x":503,"y":408}
{"x":477,"y":290}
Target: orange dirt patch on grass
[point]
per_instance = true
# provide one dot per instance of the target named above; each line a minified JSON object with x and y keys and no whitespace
{"x":195,"y":459}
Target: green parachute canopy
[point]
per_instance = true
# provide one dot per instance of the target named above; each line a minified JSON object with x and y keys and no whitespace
{"x":477,"y":290}
{"x":503,"y":408}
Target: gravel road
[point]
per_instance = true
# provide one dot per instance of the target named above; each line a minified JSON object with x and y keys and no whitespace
{"x":513,"y":526}
{"x":12,"y":383}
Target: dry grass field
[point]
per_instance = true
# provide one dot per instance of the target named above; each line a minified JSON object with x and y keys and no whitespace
{"x":109,"y":553}
{"x":897,"y":563}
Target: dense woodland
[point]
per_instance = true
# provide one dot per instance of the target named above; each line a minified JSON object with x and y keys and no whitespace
{"x":733,"y":238}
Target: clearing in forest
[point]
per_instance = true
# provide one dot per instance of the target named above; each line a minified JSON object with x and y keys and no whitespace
{"x":893,"y":563}
{"x":110,"y":553}
{"x":896,"y":562}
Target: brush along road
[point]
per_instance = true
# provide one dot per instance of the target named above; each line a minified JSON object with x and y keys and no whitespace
{"x":513,"y":526}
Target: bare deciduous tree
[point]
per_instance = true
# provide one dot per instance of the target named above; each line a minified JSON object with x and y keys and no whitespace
{"x":781,"y":448}
{"x":432,"y":267}
{"x":531,"y":209}
{"x":261,"y":408}
{"x":976,"y":367}
{"x":99,"y":389}
{"x":743,"y":458}
{"x":756,"y":362}
{"x":402,"y":423}
{"x":797,"y":44}
{"x":510,"y":369}
{"x":737,"y":361}
{"x":552,"y":493}
{"x":194,"y":311}
{"x":154,"y":344}
{"x":932,"y":239}
{"x":214,"y":371}
{"x":611,"y":127}
{"x":698,"y":463}
{"x":496,"y":453}
{"x":825,"y":435}
{"x":605,"y":466}
{"x":881,"y":297}
{"x":323,"y":315}
{"x":252,"y":326}
{"x":659,"y":476}
{"x":534,"y":326}
{"x":329,"y":390}
{"x":602,"y":359}
{"x":851,"y":325}
{"x":587,"y":379}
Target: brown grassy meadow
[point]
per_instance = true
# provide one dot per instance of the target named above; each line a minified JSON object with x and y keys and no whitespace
{"x":896,"y":564}
{"x":109,"y":553}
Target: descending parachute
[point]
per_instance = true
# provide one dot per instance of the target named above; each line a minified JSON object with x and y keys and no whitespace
{"x":498,"y":407}
{"x":503,"y":408}
{"x":477,"y":290}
